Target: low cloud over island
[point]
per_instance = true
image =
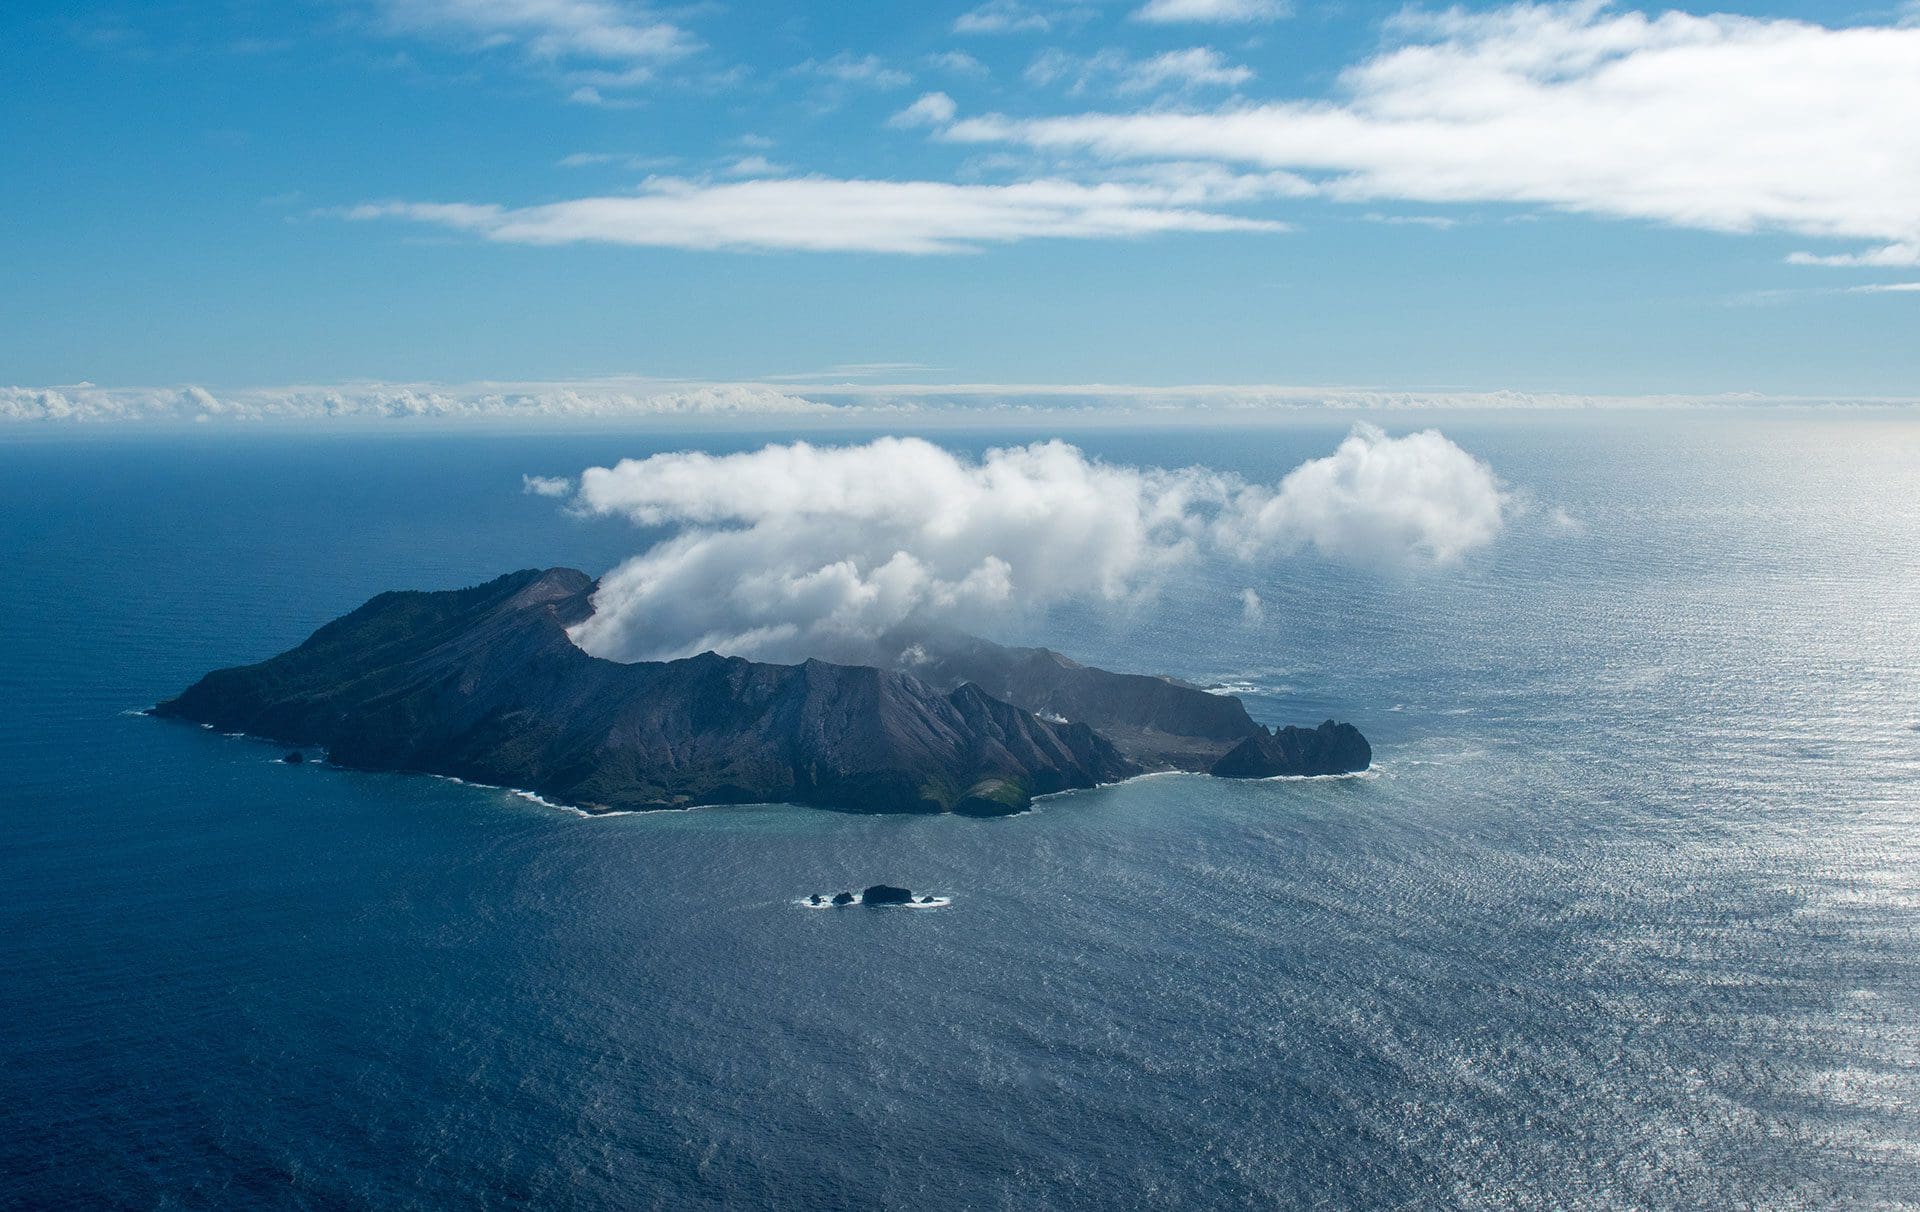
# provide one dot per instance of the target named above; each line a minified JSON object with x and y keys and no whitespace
{"x":800,"y":550}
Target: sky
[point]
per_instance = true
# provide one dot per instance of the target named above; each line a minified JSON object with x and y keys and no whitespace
{"x":727,"y":206}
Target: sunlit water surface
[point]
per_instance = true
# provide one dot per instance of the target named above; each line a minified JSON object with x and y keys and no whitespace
{"x":1627,"y":915}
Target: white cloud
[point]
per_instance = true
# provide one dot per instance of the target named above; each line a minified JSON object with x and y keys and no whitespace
{"x":1723,"y":123}
{"x":1179,"y":70}
{"x":1376,"y":499}
{"x":1189,"y":68}
{"x":550,"y":32}
{"x":960,"y":63}
{"x":1224,"y":12}
{"x":846,"y":68}
{"x":797,"y":550}
{"x":847,"y":394}
{"x":616,"y":160}
{"x":85,"y":402}
{"x":1010,"y":17}
{"x":546,"y":486}
{"x":820,"y":214}
{"x":755,"y":166}
{"x":1898,"y":255}
{"x":1437,"y":222}
{"x":932,"y":109}
{"x":1885,"y":288}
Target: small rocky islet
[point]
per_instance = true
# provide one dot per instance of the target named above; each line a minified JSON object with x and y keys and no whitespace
{"x":878,"y":895}
{"x":485,"y":684}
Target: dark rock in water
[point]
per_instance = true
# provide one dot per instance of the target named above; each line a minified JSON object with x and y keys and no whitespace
{"x":294,"y":758}
{"x":926,"y":900}
{"x":843,"y":898}
{"x":484,"y":684}
{"x":816,"y":899}
{"x":1329,"y":749}
{"x":886,"y":894}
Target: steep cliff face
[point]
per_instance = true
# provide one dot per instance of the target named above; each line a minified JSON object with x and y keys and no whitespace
{"x":1159,"y":722}
{"x":484,"y":684}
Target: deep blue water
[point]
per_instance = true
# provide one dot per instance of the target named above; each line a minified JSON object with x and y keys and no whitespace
{"x":1630,"y":915}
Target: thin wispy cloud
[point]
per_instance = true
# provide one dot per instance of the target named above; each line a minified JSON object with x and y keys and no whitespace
{"x":1114,"y":71}
{"x":1721,"y":123}
{"x":1017,"y":17}
{"x":87,"y":403}
{"x":616,"y":160}
{"x":863,"y":394}
{"x":558,"y":35}
{"x":819,"y":214}
{"x":1216,"y":12}
{"x":847,"y":68}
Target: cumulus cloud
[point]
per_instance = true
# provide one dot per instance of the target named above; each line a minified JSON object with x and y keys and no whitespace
{"x":818,"y":214}
{"x":1375,"y":500}
{"x":932,"y":109}
{"x":800,"y":550}
{"x":546,"y":486}
{"x":1723,"y":123}
{"x":754,"y":166}
{"x":960,"y":63}
{"x":1219,"y":12}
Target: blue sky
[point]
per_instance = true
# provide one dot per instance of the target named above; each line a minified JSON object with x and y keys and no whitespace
{"x":1576,"y":198}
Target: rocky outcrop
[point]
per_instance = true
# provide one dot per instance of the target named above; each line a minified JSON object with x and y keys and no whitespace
{"x":1329,"y":749}
{"x":1161,"y":723}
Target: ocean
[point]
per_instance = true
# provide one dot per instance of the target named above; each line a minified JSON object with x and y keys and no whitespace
{"x":1627,"y":915}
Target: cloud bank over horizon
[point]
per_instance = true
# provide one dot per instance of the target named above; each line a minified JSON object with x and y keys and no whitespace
{"x":799,"y":550}
{"x":560,"y":400}
{"x":848,"y":394}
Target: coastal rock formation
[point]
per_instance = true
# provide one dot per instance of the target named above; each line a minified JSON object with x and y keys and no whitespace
{"x":1161,"y":723}
{"x":886,"y":894}
{"x":484,"y":684}
{"x":1329,"y":749}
